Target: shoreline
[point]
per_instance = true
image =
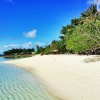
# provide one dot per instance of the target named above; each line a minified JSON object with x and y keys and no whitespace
{"x":38,"y":79}
{"x":41,"y":81}
{"x":66,"y":76}
{"x":45,"y":86}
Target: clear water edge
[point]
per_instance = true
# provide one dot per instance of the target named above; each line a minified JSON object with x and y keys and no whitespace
{"x":18,"y":84}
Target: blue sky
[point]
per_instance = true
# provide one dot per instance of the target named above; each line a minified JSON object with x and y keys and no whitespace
{"x":26,"y":23}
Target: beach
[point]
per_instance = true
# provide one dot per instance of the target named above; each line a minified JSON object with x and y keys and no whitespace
{"x":68,"y":77}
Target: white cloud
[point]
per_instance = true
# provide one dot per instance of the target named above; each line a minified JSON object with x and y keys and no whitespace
{"x":90,"y":2}
{"x":93,"y":1}
{"x":27,"y":45}
{"x":21,"y":45}
{"x":9,"y":46}
{"x":31,"y":34}
{"x":40,"y":43}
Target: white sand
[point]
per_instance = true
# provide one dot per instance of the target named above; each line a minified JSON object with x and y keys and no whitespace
{"x":66,"y":76}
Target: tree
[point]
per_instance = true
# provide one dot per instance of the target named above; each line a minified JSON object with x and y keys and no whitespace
{"x":75,"y":22}
{"x":19,"y":51}
{"x":85,"y":37}
{"x":91,"y":11}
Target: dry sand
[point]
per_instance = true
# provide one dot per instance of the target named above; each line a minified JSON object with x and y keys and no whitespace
{"x":66,"y":76}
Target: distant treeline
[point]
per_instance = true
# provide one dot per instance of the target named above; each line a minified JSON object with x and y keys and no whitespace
{"x":19,"y":52}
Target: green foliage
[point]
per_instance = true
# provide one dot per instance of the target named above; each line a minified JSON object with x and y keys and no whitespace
{"x":75,"y":22}
{"x":81,"y":36}
{"x":57,"y":46}
{"x":39,"y":49}
{"x":84,"y":37}
{"x":47,"y":50}
{"x":91,"y":11}
{"x":19,"y":52}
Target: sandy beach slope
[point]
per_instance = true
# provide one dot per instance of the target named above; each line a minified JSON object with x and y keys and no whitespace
{"x":66,"y":76}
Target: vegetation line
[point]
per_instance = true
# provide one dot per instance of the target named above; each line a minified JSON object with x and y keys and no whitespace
{"x":82,"y":36}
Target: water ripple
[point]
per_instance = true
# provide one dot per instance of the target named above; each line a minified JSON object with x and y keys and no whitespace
{"x":18,"y":84}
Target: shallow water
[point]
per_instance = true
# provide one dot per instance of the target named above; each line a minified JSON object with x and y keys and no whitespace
{"x":18,"y":84}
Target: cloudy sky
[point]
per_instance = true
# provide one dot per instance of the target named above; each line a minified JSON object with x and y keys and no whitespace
{"x":26,"y":23}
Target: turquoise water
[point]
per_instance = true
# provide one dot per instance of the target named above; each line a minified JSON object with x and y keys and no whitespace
{"x":18,"y":84}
